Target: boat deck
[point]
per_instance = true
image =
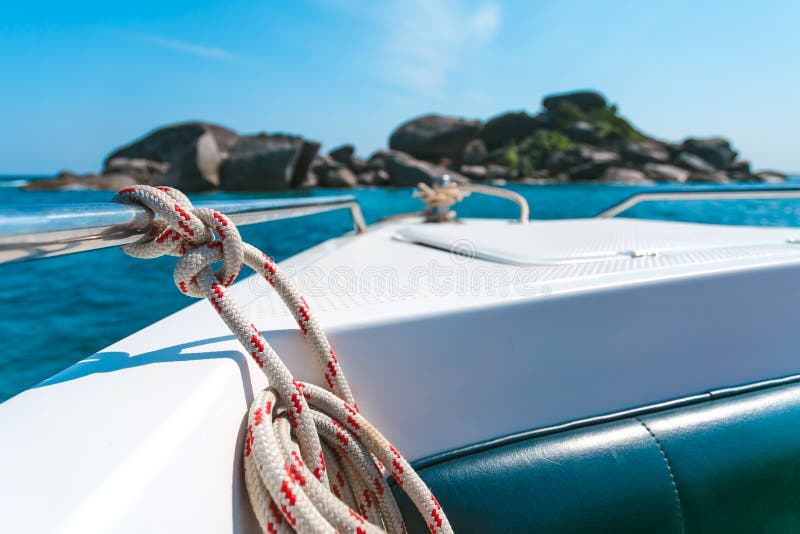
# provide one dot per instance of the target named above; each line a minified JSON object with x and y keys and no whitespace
{"x":451,"y":335}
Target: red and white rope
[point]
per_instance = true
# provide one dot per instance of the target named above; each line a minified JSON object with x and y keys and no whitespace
{"x":312,"y":462}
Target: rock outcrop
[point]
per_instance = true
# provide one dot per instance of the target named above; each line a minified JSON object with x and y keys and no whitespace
{"x":140,"y":169}
{"x":332,"y":173}
{"x":474,"y":153}
{"x":625,"y":175}
{"x":662,"y":172}
{"x":582,"y":162}
{"x":771,"y":177}
{"x":346,"y":155}
{"x":509,"y":127}
{"x":406,"y":171}
{"x":266,"y":162}
{"x":578,"y":136}
{"x":714,"y":150}
{"x":644,"y":152}
{"x":434,"y":137}
{"x":66,"y":180}
{"x":583,"y":132}
{"x":583,"y":100}
{"x":197,"y":168}
{"x":164,"y":146}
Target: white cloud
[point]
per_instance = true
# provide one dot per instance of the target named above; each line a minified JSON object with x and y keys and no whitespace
{"x":485,"y":21}
{"x":190,"y":48}
{"x":426,"y":40}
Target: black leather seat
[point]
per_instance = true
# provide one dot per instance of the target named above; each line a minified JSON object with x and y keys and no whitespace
{"x":724,"y":465}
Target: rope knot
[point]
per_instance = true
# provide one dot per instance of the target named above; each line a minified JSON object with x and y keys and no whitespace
{"x":312,"y":461}
{"x":444,"y":193}
{"x":440,"y":198}
{"x":185,"y":231}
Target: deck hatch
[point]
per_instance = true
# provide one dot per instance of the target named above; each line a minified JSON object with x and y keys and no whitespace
{"x":588,"y":240}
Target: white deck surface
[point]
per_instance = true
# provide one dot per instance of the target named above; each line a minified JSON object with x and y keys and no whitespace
{"x":566,"y":241}
{"x":443,"y":351}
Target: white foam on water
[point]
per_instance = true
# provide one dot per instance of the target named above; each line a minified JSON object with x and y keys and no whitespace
{"x":14,"y":183}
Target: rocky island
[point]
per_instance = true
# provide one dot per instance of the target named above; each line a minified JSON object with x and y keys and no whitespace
{"x":578,"y":136}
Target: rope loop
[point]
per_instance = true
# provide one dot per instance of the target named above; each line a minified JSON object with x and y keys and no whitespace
{"x":186,"y":231}
{"x":444,"y":193}
{"x":439,"y":199}
{"x":312,"y":461}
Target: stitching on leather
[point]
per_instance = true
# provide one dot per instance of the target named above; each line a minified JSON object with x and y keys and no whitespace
{"x":671,"y":473}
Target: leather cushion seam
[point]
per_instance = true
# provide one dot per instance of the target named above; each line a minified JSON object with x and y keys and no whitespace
{"x":671,"y":473}
{"x":535,"y":433}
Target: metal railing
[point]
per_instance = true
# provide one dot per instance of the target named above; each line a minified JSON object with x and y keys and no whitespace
{"x":719,"y":194}
{"x":42,"y":231}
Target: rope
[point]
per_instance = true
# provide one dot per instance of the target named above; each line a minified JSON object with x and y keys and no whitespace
{"x":519,"y":200}
{"x":312,"y":462}
{"x":439,"y":198}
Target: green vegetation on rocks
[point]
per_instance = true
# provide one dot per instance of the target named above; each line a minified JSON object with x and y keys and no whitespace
{"x":610,"y":127}
{"x":571,"y":118}
{"x":532,"y":152}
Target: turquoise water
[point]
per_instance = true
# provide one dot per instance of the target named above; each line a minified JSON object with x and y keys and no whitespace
{"x":58,"y":311}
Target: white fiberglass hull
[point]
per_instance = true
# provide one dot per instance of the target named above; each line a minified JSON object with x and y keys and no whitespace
{"x":443,"y":351}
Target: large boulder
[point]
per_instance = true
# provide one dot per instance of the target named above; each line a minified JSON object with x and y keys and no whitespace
{"x":373,"y":177}
{"x":346,"y":155}
{"x":142,"y":170}
{"x":591,"y":170}
{"x":434,"y":137}
{"x":693,"y":162}
{"x":197,"y":169}
{"x":311,"y":180}
{"x":739,"y":171}
{"x":645,"y":151}
{"x":308,"y":151}
{"x":662,"y":172}
{"x":264,"y":162}
{"x":583,"y":100}
{"x":343,"y":153}
{"x":770,"y":177}
{"x":338,"y":176}
{"x":511,"y":126}
{"x":740,"y":166}
{"x":583,"y":132}
{"x":474,"y":153}
{"x":169,"y":143}
{"x":715,"y":150}
{"x":406,"y":171}
{"x":582,"y":162}
{"x":377,"y":160}
{"x":331,"y":173}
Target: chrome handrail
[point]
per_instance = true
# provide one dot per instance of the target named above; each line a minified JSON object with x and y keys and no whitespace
{"x":42,"y":231}
{"x":724,"y":194}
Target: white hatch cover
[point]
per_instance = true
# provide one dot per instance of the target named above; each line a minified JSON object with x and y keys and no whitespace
{"x":577,"y":240}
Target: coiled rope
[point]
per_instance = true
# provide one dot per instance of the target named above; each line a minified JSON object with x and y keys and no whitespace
{"x":444,"y":193}
{"x":312,"y":462}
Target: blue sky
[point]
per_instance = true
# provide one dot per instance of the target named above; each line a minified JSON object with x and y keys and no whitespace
{"x":80,"y":78}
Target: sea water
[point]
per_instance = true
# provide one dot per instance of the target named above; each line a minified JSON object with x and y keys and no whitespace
{"x":58,"y":311}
